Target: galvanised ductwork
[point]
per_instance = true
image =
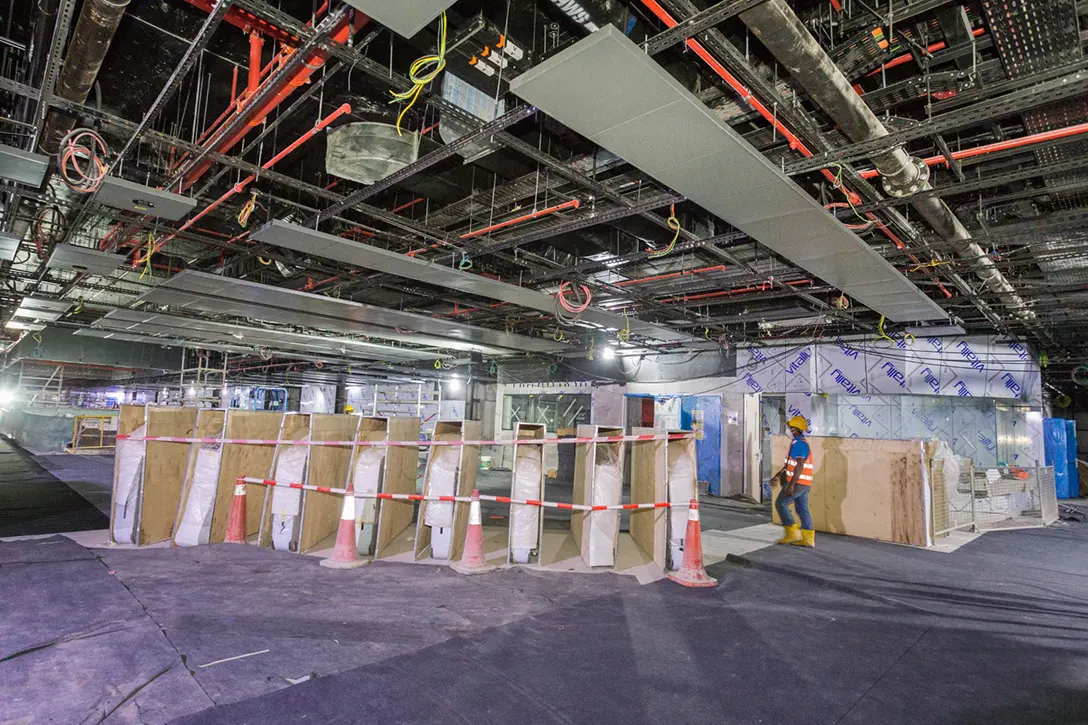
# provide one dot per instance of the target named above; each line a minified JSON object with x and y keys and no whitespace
{"x":783,"y":34}
{"x":94,"y":31}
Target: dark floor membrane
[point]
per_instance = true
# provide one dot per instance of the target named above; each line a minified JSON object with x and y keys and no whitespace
{"x":33,"y":501}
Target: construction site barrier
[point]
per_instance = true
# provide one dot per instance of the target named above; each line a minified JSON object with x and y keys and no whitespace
{"x":410,"y":444}
{"x":461,"y":499}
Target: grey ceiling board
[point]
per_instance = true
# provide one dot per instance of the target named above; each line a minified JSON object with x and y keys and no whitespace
{"x":124,"y":194}
{"x":275,"y":304}
{"x":605,"y":88}
{"x":403,"y":17}
{"x":162,"y":341}
{"x":143,"y":321}
{"x":84,"y":259}
{"x":22,"y":166}
{"x":28,"y":326}
{"x":44,"y":305}
{"x":9,"y":246}
{"x":319,"y":244}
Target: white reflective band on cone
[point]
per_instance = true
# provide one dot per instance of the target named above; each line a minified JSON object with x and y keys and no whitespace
{"x":693,"y":514}
{"x":348,"y":512}
{"x":239,"y":489}
{"x":474,"y":518}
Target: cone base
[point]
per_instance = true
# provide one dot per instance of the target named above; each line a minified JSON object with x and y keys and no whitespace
{"x":340,"y":564}
{"x":693,"y":579}
{"x":462,"y":568}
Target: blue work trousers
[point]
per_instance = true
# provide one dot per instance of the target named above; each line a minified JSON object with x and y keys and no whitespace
{"x":799,"y":499}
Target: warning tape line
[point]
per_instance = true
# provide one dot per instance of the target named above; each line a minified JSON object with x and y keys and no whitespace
{"x":461,"y":499}
{"x":408,"y":444}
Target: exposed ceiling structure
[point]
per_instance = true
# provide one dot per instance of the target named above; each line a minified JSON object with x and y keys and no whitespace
{"x":308,"y":181}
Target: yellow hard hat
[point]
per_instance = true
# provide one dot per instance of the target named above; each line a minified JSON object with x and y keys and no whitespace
{"x":349,"y":409}
{"x":799,"y":423}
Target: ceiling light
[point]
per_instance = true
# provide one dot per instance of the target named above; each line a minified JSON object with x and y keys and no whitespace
{"x":608,"y":353}
{"x":454,"y":383}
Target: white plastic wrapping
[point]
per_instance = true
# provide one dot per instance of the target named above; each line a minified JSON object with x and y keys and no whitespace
{"x":366,"y":478}
{"x":290,"y":468}
{"x":681,"y":491}
{"x":604,"y":526}
{"x":130,"y":477}
{"x":196,"y":521}
{"x":525,"y":520}
{"x":441,"y":482}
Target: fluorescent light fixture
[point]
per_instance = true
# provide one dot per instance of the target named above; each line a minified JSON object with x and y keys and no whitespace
{"x":7,"y":396}
{"x":28,"y":326}
{"x":937,"y":331}
{"x":454,"y":383}
{"x":795,"y":322}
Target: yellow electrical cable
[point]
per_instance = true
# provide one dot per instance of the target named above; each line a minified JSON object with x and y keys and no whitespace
{"x":557,"y":335}
{"x":37,"y":338}
{"x":880,"y":330}
{"x":247,"y":210}
{"x":932,"y":263}
{"x":437,"y":364}
{"x":147,"y":255}
{"x":624,"y":335}
{"x":264,"y":261}
{"x":673,"y":223}
{"x":421,"y":72}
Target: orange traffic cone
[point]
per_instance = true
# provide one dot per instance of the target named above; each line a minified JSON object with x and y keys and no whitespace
{"x":472,"y":560}
{"x":345,"y":554}
{"x":236,"y":523}
{"x":692,"y":573}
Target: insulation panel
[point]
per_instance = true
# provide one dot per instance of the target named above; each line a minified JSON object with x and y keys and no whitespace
{"x":648,"y":118}
{"x":319,"y":244}
{"x":22,"y":166}
{"x":403,"y":18}
{"x":130,"y":196}
{"x":9,"y":246}
{"x":84,"y":259}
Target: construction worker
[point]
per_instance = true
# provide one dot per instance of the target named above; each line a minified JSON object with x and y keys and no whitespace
{"x":796,"y":480}
{"x":349,"y":409}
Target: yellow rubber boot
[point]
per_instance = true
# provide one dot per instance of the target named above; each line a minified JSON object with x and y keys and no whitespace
{"x":793,"y":535}
{"x":808,"y":539}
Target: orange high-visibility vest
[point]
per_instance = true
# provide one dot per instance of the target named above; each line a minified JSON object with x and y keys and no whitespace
{"x":806,"y":472}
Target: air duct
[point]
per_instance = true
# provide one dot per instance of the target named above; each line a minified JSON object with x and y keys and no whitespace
{"x":783,"y":34}
{"x":91,"y":40}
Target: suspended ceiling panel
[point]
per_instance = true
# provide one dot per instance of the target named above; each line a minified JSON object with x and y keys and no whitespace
{"x":129,"y":337}
{"x":9,"y":246}
{"x":84,"y":259}
{"x":35,"y":308}
{"x":22,"y":166}
{"x":608,"y":90}
{"x":211,"y":293}
{"x":319,"y":244}
{"x":403,"y":17}
{"x":124,"y":194}
{"x":161,"y":325}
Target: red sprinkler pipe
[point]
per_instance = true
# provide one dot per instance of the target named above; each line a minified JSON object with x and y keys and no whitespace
{"x":256,"y":46}
{"x":933,"y":48}
{"x":746,"y":95}
{"x":730,"y":292}
{"x":241,"y":185}
{"x":254,"y":115}
{"x":1012,"y":143}
{"x":671,"y":275}
{"x":572,"y":204}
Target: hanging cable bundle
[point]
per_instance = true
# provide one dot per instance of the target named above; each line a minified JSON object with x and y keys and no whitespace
{"x":81,"y":160}
{"x":567,"y":312}
{"x":49,"y":227}
{"x":422,"y":71}
{"x":674,"y":224}
{"x":624,"y":335}
{"x":247,"y":210}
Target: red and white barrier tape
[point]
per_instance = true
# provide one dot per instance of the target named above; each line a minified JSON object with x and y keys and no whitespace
{"x":408,"y":444}
{"x":462,"y":499}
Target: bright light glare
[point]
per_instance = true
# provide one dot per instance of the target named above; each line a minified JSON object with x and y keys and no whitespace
{"x":7,"y":396}
{"x":192,"y":391}
{"x":608,"y":353}
{"x":454,"y":384}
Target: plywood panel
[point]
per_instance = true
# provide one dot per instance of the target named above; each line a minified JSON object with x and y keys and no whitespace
{"x":329,"y":466}
{"x":245,"y":460}
{"x":648,"y":485}
{"x":865,"y":487}
{"x":209,"y":424}
{"x":401,"y":463}
{"x":164,"y":471}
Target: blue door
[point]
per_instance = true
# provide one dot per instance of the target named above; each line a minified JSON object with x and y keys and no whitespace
{"x":708,"y":452}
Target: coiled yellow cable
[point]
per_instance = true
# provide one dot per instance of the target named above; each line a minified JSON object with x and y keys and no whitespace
{"x":422,"y":71}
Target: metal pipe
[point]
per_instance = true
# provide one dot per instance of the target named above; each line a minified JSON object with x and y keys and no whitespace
{"x":91,"y":40}
{"x":256,"y":45}
{"x":1012,"y":143}
{"x":783,"y":34}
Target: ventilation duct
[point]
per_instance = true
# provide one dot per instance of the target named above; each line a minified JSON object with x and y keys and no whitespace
{"x":368,"y":152}
{"x":783,"y":34}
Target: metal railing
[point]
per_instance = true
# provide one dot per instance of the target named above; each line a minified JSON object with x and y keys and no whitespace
{"x":988,"y":499}
{"x":93,"y":432}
